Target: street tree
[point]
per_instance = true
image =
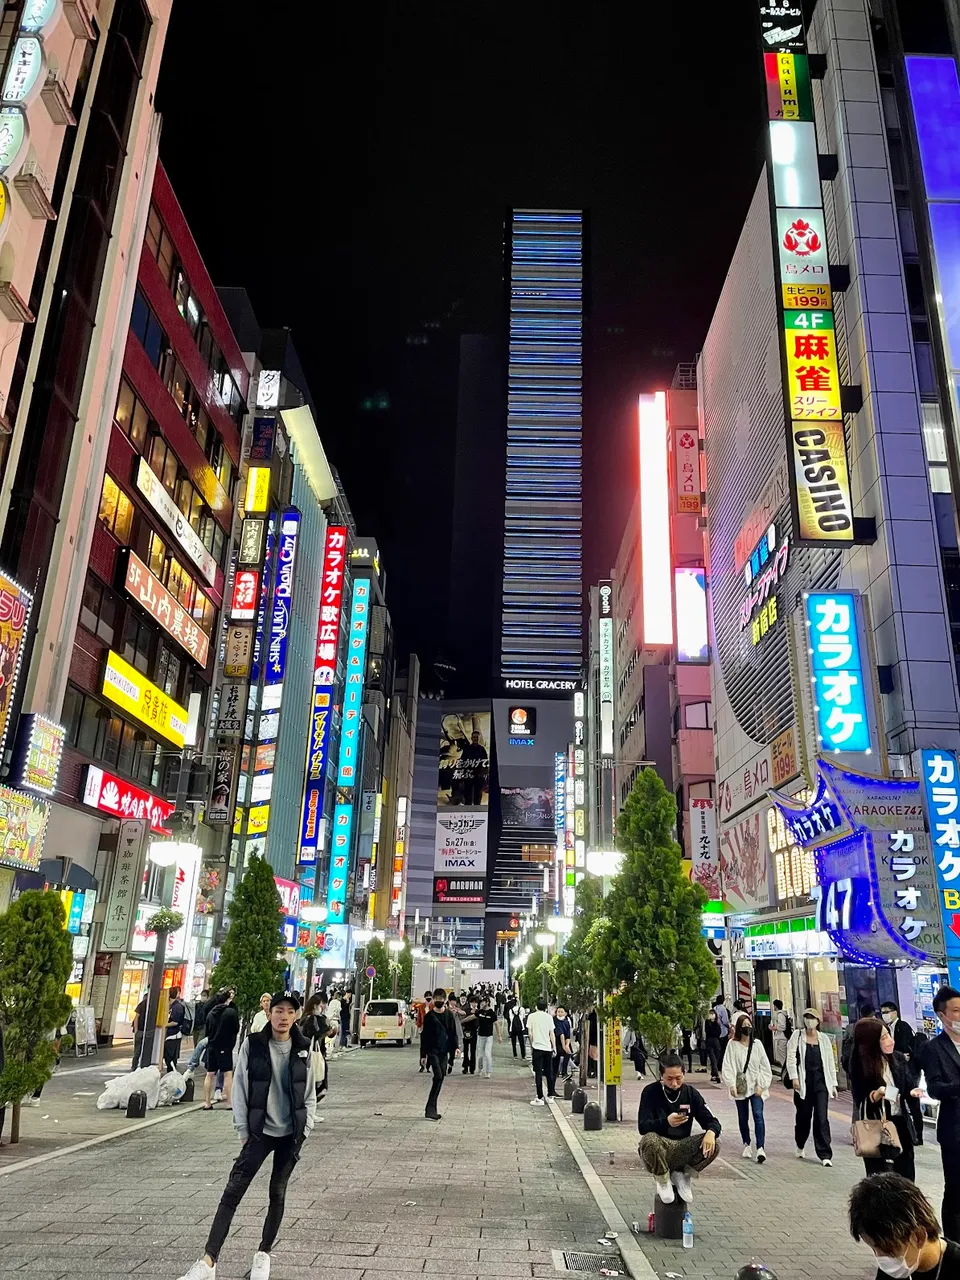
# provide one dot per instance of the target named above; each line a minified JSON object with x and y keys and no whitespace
{"x":571,"y":969}
{"x":36,"y":957}
{"x":251,"y":958}
{"x":379,"y":957}
{"x":648,"y":951}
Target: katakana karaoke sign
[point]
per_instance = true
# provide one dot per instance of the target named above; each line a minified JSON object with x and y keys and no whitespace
{"x":876,"y":879}
{"x":941,"y":789}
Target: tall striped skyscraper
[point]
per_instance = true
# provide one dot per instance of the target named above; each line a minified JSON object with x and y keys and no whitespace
{"x":541,"y":635}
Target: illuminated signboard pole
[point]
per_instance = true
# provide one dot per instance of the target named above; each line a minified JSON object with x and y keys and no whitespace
{"x":818,"y":468}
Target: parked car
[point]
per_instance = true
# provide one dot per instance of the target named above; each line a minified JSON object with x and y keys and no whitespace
{"x":386,"y":1021}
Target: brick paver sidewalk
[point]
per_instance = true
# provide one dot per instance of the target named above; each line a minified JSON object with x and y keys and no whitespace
{"x":489,"y":1191}
{"x":788,"y":1213}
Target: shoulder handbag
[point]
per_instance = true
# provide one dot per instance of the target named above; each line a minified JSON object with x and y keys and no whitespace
{"x":875,"y":1139}
{"x":741,"y":1085}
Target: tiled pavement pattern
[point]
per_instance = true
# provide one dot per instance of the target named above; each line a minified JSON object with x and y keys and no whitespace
{"x":789,"y":1214}
{"x":494,"y":1187}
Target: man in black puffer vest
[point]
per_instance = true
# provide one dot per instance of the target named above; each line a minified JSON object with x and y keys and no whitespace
{"x":274,"y":1109}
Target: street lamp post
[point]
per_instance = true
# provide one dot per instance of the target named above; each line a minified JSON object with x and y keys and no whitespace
{"x":544,"y":939}
{"x":606,"y":863}
{"x":396,"y":946}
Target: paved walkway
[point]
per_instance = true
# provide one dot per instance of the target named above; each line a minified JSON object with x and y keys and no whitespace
{"x":788,"y":1213}
{"x":489,"y":1191}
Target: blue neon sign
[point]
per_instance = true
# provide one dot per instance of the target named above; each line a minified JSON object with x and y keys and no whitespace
{"x":286,"y":553}
{"x":839,"y":687}
{"x":339,"y":863}
{"x":353,"y":693}
{"x":264,"y":599}
{"x":941,"y":791}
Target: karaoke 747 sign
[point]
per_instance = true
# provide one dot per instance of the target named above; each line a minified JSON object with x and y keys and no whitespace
{"x":941,"y":790}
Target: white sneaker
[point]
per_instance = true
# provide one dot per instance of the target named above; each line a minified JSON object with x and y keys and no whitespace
{"x":489,"y":1074}
{"x":201,"y":1271}
{"x":664,"y":1191}
{"x":218,"y":1095}
{"x":188,"y":1074}
{"x":684,"y":1187}
{"x":761,"y":1155}
{"x":827,"y":1164}
{"x":748,"y":1154}
{"x":261,"y":1266}
{"x":537,"y":1102}
{"x":801,"y":1154}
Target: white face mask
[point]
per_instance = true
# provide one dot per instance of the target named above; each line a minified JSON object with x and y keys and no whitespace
{"x":890,"y":1018}
{"x":954,"y":1027}
{"x":897,"y":1267}
{"x":810,"y":1022}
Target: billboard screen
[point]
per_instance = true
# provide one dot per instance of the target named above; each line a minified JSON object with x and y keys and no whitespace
{"x":464,"y":771}
{"x":690,"y":588}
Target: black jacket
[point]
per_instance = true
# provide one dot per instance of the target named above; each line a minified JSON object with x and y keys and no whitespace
{"x":260,"y":1071}
{"x":905,"y":1076}
{"x":433,"y":1036}
{"x":655,"y":1107}
{"x":223,"y":1027}
{"x":941,"y":1066}
{"x":904,"y":1037}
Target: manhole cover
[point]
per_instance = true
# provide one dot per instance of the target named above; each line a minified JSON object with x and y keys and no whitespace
{"x":593,"y":1262}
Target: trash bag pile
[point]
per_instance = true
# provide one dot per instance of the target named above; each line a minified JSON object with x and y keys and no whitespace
{"x":160,"y":1091}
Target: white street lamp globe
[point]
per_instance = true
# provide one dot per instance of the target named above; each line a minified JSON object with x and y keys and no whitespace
{"x":604,"y":862}
{"x":544,"y":939}
{"x":395,"y":944}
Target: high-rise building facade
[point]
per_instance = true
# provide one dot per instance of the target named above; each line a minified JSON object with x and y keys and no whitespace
{"x":542,"y":620}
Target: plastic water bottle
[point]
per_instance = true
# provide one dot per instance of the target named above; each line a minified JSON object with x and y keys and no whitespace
{"x":687,"y":1230}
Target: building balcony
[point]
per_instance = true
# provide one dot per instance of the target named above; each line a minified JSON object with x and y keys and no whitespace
{"x":56,"y":100}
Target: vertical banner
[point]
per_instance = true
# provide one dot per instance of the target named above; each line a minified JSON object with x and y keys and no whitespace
{"x":324,"y":682}
{"x":821,"y":496}
{"x":704,"y":851}
{"x":353,"y":692}
{"x":125,"y":886}
{"x":941,"y":791}
{"x":606,"y":668}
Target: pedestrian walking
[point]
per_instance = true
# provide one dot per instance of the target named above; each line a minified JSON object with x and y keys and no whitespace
{"x":517,"y":1030}
{"x":813,"y":1073}
{"x":563,"y":1032}
{"x":635,"y":1050}
{"x":470,"y":1019}
{"x":346,"y":1011}
{"x":316,"y":1028}
{"x":941,"y":1067}
{"x":434,"y":1049}
{"x":487,"y":1024}
{"x":139,"y":1025}
{"x":669,"y":1148}
{"x":274,"y":1111}
{"x":334,"y":1006}
{"x":905,"y":1042}
{"x":723,"y":1017}
{"x":454,"y":1031}
{"x":895,"y":1219}
{"x":748,"y":1075}
{"x":686,"y":1048}
{"x":781,"y":1030}
{"x":222,"y":1038}
{"x":178,"y":1025}
{"x":200,"y":1008}
{"x":881,"y":1081}
{"x":541,"y":1029}
{"x":713,"y":1036}
{"x":262,"y":1016}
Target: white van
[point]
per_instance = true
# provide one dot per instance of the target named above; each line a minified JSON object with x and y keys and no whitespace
{"x":386,"y":1022}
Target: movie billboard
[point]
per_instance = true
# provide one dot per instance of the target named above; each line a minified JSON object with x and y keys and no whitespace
{"x":464,"y":771}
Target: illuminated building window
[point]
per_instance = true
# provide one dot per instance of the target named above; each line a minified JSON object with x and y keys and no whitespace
{"x":116,"y":510}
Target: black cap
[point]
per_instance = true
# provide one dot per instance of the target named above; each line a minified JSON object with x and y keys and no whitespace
{"x":285,"y":997}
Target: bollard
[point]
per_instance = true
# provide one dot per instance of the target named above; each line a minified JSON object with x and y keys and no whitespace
{"x":579,"y":1097}
{"x":188,"y":1092}
{"x":568,"y":1088}
{"x":592,"y":1116}
{"x":755,"y":1271}
{"x":137,"y":1105}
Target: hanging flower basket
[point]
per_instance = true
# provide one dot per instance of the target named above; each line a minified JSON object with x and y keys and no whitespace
{"x":164,"y":921}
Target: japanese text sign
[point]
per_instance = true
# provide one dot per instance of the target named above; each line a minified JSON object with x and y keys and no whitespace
{"x":686,"y":452}
{"x":339,"y":863}
{"x":324,"y":681}
{"x":125,"y":886}
{"x":15,"y":606}
{"x":102,"y":790}
{"x":822,"y":482}
{"x":839,"y":688}
{"x":941,"y":789}
{"x":164,"y":608}
{"x":36,"y":755}
{"x":246,"y":591}
{"x":781,"y":26}
{"x":124,"y":685}
{"x":152,"y":489}
{"x":812,"y":370}
{"x":356,"y":674}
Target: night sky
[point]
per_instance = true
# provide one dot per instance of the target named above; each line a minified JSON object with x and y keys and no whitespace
{"x":351,"y":170}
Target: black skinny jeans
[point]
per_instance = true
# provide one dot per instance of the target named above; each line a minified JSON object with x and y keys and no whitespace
{"x":518,"y":1038}
{"x":437,"y":1066}
{"x":715,"y":1054}
{"x":247,"y":1165}
{"x":469,"y":1054}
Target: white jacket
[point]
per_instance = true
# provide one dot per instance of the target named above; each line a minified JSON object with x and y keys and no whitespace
{"x":759,"y":1072}
{"x":796,"y":1061}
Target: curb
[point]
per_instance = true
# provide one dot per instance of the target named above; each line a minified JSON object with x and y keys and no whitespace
{"x":635,"y":1260}
{"x":182,"y":1108}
